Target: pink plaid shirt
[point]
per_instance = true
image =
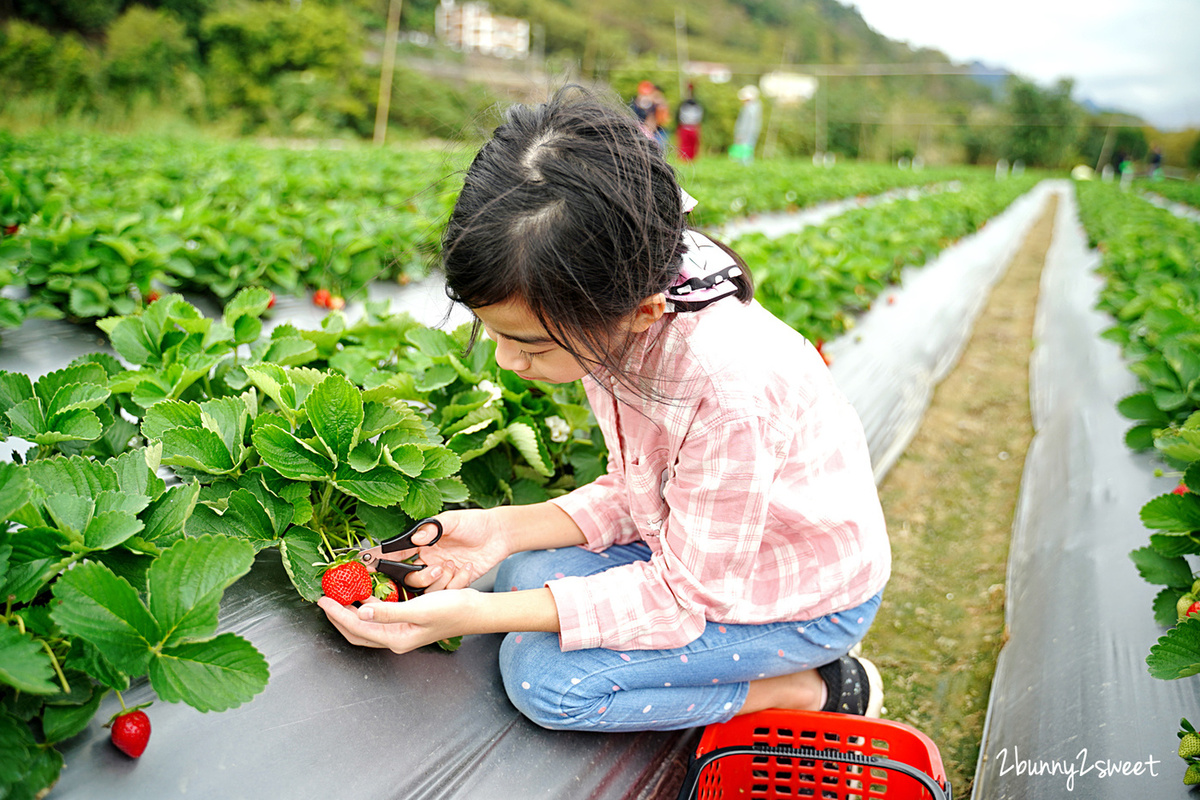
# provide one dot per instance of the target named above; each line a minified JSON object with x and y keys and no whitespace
{"x":752,"y":487}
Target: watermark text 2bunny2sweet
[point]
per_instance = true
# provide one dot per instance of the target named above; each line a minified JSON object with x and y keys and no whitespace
{"x":1081,"y":767}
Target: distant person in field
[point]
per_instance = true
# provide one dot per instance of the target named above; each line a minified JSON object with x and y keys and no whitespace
{"x":748,"y":126}
{"x":687,"y":129}
{"x":646,"y":109}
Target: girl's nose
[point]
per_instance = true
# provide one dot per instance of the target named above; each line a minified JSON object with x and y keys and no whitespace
{"x":509,"y":355}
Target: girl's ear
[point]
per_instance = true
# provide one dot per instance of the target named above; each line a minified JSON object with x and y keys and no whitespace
{"x":648,"y":312}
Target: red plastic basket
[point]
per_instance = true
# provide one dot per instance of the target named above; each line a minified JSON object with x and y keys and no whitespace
{"x":814,"y":754}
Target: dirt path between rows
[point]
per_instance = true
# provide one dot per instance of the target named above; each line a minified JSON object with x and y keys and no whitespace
{"x":949,"y":503}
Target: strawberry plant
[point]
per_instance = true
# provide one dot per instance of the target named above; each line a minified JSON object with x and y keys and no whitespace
{"x":1152,"y":291}
{"x":818,"y":279}
{"x":103,"y":589}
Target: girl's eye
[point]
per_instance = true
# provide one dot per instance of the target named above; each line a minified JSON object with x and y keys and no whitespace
{"x":527,"y":354}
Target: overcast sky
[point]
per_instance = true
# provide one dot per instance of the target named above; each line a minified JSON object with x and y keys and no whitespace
{"x":1141,"y":56}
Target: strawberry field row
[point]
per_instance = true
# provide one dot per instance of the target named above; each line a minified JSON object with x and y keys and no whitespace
{"x":818,"y":279}
{"x":92,"y":226}
{"x":1152,"y":289}
{"x":1180,"y":192}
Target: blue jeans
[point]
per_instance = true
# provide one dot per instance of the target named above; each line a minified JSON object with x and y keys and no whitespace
{"x":703,"y":682}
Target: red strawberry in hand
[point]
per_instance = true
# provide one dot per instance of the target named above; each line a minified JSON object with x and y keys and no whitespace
{"x":387,"y":591}
{"x":131,"y":732}
{"x":348,"y":582}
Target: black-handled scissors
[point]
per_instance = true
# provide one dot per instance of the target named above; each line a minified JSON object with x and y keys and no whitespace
{"x":376,"y":560}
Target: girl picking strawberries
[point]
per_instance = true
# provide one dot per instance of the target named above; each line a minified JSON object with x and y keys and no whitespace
{"x":736,"y":550}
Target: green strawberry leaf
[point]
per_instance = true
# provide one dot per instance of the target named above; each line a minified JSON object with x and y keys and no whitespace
{"x":75,"y":396}
{"x":432,"y":342}
{"x":16,"y":489}
{"x":1175,"y":544}
{"x":73,"y":475}
{"x":214,"y":675}
{"x":291,"y":457}
{"x":91,"y":602}
{"x":1182,"y":444}
{"x":79,"y":425}
{"x":110,"y":528}
{"x":1165,"y":612}
{"x":137,"y":472}
{"x":524,"y":435}
{"x":335,"y":409}
{"x":130,"y":339}
{"x":453,"y":490}
{"x":436,"y":377}
{"x":301,"y":549}
{"x":63,"y":722}
{"x":1177,"y":654}
{"x":424,"y":499}
{"x":199,"y":449}
{"x":187,"y":581}
{"x":24,"y":663}
{"x":380,"y":486}
{"x":440,"y":462}
{"x":380,"y":417}
{"x":168,"y":414}
{"x":27,"y":418}
{"x":52,"y":384}
{"x":70,"y":512}
{"x":17,"y":749}
{"x":1173,"y":513}
{"x":228,"y":418}
{"x":408,"y":458}
{"x":165,"y":517}
{"x":1154,"y":567}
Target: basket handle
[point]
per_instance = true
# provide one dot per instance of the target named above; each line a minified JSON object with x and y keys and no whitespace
{"x":687,"y":791}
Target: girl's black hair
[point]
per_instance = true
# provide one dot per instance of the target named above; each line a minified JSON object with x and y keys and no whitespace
{"x":572,"y":209}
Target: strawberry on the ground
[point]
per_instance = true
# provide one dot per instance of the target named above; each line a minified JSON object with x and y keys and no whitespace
{"x":321,"y":297}
{"x":131,"y":732}
{"x":347,"y":582}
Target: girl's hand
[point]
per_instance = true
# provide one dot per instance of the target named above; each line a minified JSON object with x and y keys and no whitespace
{"x":401,"y":627}
{"x":472,"y":543}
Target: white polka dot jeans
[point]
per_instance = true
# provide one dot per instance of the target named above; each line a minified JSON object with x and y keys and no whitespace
{"x":701,"y":683}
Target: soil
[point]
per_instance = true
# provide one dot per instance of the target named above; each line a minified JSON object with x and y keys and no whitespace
{"x":949,"y":502}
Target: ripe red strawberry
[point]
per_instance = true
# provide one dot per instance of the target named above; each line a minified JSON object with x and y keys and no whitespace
{"x":1180,"y":489}
{"x":387,"y":591}
{"x":271,"y":302}
{"x":11,"y":230}
{"x":321,"y":297}
{"x":151,"y":296}
{"x":131,"y":732}
{"x":1193,"y":609}
{"x":347,"y":583}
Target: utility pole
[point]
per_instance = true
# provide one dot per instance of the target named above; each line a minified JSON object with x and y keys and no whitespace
{"x":681,"y":49}
{"x":384,"y":106}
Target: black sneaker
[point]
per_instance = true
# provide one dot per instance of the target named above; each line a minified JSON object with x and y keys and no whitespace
{"x":855,"y":687}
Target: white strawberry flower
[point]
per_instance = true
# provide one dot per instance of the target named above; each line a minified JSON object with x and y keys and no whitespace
{"x":560,"y":429}
{"x":495,"y":391}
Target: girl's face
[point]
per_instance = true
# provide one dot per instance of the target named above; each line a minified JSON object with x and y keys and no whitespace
{"x":523,"y":346}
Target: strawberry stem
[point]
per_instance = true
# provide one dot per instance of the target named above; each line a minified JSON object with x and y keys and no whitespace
{"x":62,"y":679}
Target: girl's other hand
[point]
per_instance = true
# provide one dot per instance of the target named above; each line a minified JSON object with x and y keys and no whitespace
{"x":401,"y":627}
{"x":472,"y":543}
